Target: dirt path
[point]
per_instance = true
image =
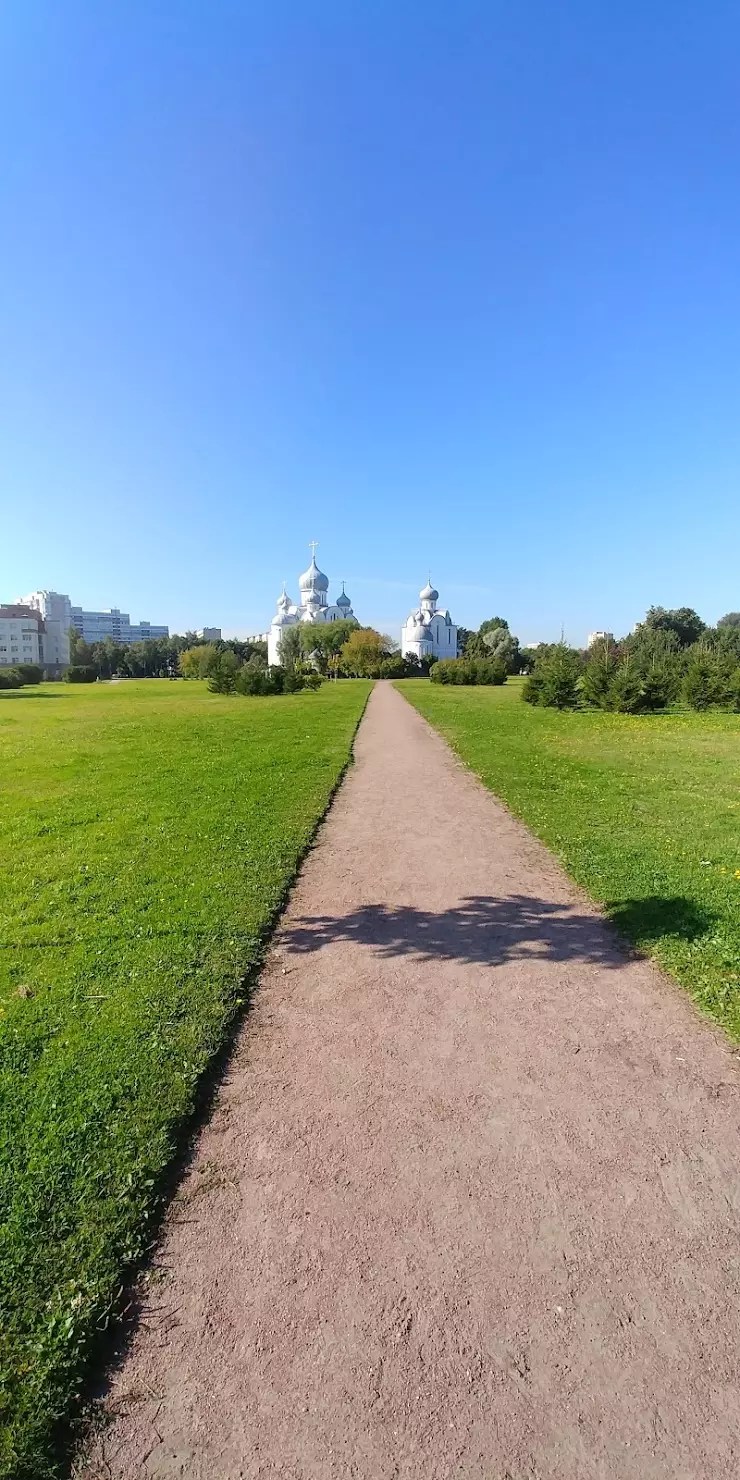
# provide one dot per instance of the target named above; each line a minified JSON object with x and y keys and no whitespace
{"x":469,"y":1204}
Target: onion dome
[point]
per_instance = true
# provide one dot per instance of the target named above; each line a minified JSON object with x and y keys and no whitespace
{"x":284,"y":601}
{"x":314,"y":579}
{"x":416,"y":629}
{"x":429,"y":593}
{"x":282,"y":619}
{"x":344,"y":600}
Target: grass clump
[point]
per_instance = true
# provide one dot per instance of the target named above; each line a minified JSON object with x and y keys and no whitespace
{"x":642,"y":810}
{"x":148,"y":833}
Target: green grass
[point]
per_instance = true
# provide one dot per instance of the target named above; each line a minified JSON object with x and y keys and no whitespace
{"x":644,"y":813}
{"x":148,"y":833}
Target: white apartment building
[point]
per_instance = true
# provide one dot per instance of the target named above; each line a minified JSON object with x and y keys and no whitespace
{"x":96,"y":626}
{"x":56,"y":612}
{"x":209,"y":634}
{"x":594,"y":637}
{"x":21,"y":635}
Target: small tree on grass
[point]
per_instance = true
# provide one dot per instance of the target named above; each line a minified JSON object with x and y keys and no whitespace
{"x":625,"y":691}
{"x":222,"y":679}
{"x":598,"y":676}
{"x":555,"y":681}
{"x":699,"y":686}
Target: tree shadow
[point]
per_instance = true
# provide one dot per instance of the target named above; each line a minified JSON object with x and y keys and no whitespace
{"x":645,"y":921}
{"x":484,"y":930}
{"x":24,"y":694}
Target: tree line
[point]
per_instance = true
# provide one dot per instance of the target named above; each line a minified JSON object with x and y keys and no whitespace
{"x":672,"y":656}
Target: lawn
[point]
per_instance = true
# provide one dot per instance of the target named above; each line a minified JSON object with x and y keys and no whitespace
{"x":643,"y":811}
{"x":148,"y":833}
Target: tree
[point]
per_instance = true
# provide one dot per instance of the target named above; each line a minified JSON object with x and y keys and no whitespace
{"x":200,"y":661}
{"x":363,"y":653}
{"x":503,"y":647}
{"x":598,"y":676}
{"x":698,"y":685}
{"x":684,"y":621}
{"x":490,"y":624}
{"x":222,"y":679}
{"x":290,"y":648}
{"x":555,"y":681}
{"x":322,"y":641}
{"x":732,"y":619}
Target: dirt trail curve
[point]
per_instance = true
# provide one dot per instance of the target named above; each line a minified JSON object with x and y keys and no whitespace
{"x":469,"y":1204}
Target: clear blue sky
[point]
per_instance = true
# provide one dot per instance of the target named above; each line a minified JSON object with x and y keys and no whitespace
{"x":449,"y":287}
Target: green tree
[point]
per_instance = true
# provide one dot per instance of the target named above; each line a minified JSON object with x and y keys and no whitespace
{"x":363,"y":653}
{"x":598,"y":675}
{"x":222,"y":678}
{"x":200,"y":661}
{"x":683,"y":621}
{"x":731,"y":619}
{"x":556,"y":678}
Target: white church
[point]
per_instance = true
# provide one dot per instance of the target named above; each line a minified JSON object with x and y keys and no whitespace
{"x":429,"y":631}
{"x":312,"y":606}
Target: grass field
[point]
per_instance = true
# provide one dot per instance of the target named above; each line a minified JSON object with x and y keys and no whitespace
{"x":148,"y":832}
{"x":644,"y":812}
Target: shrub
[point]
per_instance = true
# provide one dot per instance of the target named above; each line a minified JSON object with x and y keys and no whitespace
{"x":10,"y":678}
{"x":532,"y":687}
{"x":469,"y":671}
{"x":81,"y":673}
{"x":30,"y":672}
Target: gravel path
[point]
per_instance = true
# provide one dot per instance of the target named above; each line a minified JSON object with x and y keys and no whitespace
{"x":469,"y":1202}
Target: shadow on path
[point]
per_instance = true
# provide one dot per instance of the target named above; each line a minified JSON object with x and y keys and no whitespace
{"x":489,"y":931}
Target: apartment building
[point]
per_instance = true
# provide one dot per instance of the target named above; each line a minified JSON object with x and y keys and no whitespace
{"x":96,"y":626}
{"x":56,"y":613}
{"x":21,"y":635}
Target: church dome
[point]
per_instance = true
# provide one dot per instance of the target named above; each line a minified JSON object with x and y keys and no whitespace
{"x":343,"y":600}
{"x":429,"y":593}
{"x":282,"y":619}
{"x":284,"y":601}
{"x":313,"y":579}
{"x":417,"y":631}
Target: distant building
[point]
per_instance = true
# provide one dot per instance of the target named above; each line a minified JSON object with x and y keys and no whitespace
{"x":429,"y":631}
{"x":96,"y":626}
{"x":21,"y":635}
{"x":594,"y":637}
{"x":209,"y":634}
{"x":56,"y":611}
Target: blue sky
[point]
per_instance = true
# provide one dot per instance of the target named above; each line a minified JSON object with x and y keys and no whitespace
{"x":448,"y":287}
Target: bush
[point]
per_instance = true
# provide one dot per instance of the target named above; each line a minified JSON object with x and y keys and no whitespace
{"x":30,"y":672}
{"x":10,"y":678}
{"x":469,"y":671}
{"x":81,"y":673}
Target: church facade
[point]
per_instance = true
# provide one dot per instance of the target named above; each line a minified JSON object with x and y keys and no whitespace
{"x":312,"y":606}
{"x":429,"y":631}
